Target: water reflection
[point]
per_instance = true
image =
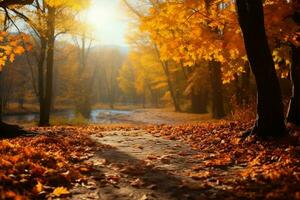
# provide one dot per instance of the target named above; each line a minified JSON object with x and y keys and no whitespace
{"x":97,"y":116}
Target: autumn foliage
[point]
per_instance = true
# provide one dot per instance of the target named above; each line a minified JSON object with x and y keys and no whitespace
{"x":188,"y":54}
{"x":44,"y":166}
{"x":240,"y":169}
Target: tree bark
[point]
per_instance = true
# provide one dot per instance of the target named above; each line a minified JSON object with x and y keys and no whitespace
{"x":238,"y":91}
{"x":41,"y":85}
{"x":170,"y":85}
{"x":246,"y":85}
{"x":165,"y":66}
{"x":294,"y":107}
{"x":6,"y":3}
{"x":270,"y":120}
{"x":45,"y":119}
{"x":199,"y":101}
{"x":217,"y":90}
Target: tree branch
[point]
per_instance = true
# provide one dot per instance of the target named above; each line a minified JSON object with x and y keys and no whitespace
{"x":6,"y":3}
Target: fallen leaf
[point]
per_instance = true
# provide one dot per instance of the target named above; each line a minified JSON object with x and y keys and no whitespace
{"x":137,"y":183}
{"x":59,"y":191}
{"x":39,"y":187}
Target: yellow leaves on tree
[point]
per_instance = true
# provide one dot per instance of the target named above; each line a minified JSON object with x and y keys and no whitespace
{"x":191,"y":31}
{"x":74,"y":4}
{"x":12,"y":46}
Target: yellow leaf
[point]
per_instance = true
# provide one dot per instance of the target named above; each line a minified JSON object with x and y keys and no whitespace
{"x":39,"y":187}
{"x":60,"y":191}
{"x":12,"y":58}
{"x":19,"y":50}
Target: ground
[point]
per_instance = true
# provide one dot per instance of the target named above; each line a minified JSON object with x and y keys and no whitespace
{"x":206,"y":160}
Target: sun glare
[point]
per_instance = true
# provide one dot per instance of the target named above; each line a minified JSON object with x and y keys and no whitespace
{"x":104,"y":19}
{"x":99,"y":16}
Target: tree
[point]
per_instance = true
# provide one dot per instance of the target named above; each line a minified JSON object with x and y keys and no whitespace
{"x":294,"y":107}
{"x":146,"y":78}
{"x":49,"y":19}
{"x":6,"y":3}
{"x":198,"y":79}
{"x":293,"y":115}
{"x":165,"y":63}
{"x":270,"y":121}
{"x":195,"y":31}
{"x":83,"y":41}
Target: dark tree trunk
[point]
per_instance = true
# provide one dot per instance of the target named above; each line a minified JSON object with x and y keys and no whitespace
{"x":294,"y":108}
{"x":41,"y":84}
{"x":6,"y":3}
{"x":238,"y":91}
{"x":199,"y":101}
{"x":270,"y":121}
{"x":242,"y":87}
{"x":217,"y":90}
{"x":246,"y":85}
{"x":45,"y":119}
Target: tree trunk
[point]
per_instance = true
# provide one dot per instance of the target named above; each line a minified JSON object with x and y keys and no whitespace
{"x":199,"y":101}
{"x":238,"y":91}
{"x":294,"y":107}
{"x":41,"y":85}
{"x":270,"y":121}
{"x":166,"y":69}
{"x":84,"y":85}
{"x":45,"y":120}
{"x":154,"y":98}
{"x":170,"y":85}
{"x":217,"y":90}
{"x":246,"y":85}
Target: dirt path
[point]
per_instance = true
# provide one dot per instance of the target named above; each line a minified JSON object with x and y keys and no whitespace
{"x":161,"y":116}
{"x":139,"y":166}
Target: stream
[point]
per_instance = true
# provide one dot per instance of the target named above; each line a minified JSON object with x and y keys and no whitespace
{"x":97,"y":116}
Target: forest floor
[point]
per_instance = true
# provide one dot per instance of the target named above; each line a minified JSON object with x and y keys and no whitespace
{"x":205,"y":160}
{"x":160,"y":116}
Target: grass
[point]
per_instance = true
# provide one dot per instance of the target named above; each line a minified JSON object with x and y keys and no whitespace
{"x":78,"y":120}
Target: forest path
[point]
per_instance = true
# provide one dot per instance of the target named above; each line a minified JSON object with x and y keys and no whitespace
{"x":140,"y":166}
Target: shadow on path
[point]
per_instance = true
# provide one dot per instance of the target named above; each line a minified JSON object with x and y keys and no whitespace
{"x":134,"y":177}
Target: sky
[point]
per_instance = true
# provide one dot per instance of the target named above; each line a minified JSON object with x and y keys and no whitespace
{"x":108,"y":20}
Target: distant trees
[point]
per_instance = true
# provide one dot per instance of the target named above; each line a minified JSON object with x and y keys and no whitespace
{"x":189,"y":33}
{"x":83,"y":88}
{"x":143,"y":77}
